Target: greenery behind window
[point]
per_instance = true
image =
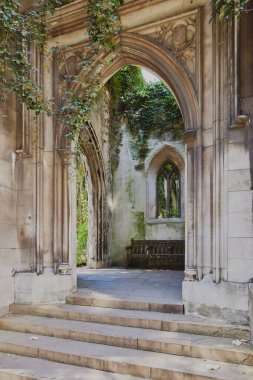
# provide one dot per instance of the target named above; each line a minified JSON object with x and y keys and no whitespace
{"x":168,"y":192}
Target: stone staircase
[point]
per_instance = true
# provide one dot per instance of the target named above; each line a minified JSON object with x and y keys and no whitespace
{"x":112,"y":339}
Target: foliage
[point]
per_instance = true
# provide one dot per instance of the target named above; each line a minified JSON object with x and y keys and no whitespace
{"x":126,"y":81}
{"x":139,"y":225}
{"x":149,"y":109}
{"x":228,"y":8}
{"x":103,"y":32}
{"x":104,"y":23}
{"x":82,"y":216}
{"x":17,"y":32}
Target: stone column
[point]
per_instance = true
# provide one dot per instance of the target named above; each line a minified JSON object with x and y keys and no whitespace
{"x":190,"y":262}
{"x":64,"y":266}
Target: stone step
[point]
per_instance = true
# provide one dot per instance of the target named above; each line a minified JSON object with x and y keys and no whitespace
{"x":174,"y":343}
{"x":96,"y":299}
{"x":133,"y":318}
{"x":12,"y":375}
{"x":16,"y":367}
{"x":145,"y":364}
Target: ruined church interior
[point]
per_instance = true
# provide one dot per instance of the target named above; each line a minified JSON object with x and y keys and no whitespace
{"x":126,"y":237}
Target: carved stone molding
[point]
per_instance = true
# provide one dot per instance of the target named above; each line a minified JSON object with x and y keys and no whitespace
{"x":69,"y":64}
{"x":180,"y":37}
{"x":66,"y":67}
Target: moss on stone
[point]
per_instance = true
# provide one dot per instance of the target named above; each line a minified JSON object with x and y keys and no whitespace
{"x":139,"y":225}
{"x":129,"y":188}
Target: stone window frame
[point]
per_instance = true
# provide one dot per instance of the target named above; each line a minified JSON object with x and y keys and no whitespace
{"x":162,"y":155}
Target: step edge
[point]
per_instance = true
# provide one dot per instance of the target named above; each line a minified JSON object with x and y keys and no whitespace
{"x":89,"y":362}
{"x":226,"y":331}
{"x":239,"y":356}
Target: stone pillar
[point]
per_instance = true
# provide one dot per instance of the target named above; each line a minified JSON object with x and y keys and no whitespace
{"x":64,"y":266}
{"x":251,"y":312}
{"x":190,"y":262}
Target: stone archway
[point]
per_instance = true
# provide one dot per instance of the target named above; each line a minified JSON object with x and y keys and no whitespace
{"x":144,"y":51}
{"x":198,"y":60}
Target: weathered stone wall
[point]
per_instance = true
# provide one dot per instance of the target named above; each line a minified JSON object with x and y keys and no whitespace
{"x":200,"y":61}
{"x":241,"y":179}
{"x":226,"y":188}
{"x":8,"y":204}
{"x":130,"y":218}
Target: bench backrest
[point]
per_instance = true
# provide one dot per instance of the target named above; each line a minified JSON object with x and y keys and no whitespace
{"x":158,"y":246}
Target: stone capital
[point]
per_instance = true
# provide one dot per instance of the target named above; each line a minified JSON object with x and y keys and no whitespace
{"x":241,"y":121}
{"x":190,"y":137}
{"x":65,"y":155}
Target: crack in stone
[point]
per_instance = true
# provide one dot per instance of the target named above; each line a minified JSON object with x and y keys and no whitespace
{"x":248,"y":359}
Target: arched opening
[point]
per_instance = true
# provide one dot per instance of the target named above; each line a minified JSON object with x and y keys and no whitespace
{"x":156,"y":168}
{"x":94,"y":172}
{"x":145,"y":116}
{"x":143,"y":51}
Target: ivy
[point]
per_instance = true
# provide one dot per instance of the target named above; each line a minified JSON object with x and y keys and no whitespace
{"x":149,"y":109}
{"x":126,"y":81}
{"x":227,"y":8}
{"x":17,"y":32}
{"x":103,"y":31}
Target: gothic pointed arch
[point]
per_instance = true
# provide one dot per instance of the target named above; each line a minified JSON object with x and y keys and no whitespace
{"x":148,"y":52}
{"x":154,"y":165}
{"x":95,"y":174}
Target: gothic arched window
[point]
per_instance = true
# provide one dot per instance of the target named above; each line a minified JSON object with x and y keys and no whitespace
{"x":168,"y":192}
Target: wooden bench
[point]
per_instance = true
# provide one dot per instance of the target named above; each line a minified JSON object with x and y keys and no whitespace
{"x":165,"y":254}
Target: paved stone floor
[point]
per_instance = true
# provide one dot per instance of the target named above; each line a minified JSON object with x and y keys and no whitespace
{"x":146,"y":285}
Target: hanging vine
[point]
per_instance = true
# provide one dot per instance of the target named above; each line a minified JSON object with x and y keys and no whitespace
{"x":19,"y":29}
{"x":227,"y":8}
{"x":103,"y":31}
{"x":149,"y":110}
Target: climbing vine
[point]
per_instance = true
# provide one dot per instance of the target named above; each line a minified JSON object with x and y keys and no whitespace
{"x":103,"y":31}
{"x":149,"y":110}
{"x":128,"y":80}
{"x":17,"y":32}
{"x":228,"y":8}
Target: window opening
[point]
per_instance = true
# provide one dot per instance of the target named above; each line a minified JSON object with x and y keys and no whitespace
{"x":168,"y":191}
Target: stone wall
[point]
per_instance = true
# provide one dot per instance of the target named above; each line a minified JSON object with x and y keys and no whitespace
{"x":8,"y":204}
{"x":130,"y":218}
